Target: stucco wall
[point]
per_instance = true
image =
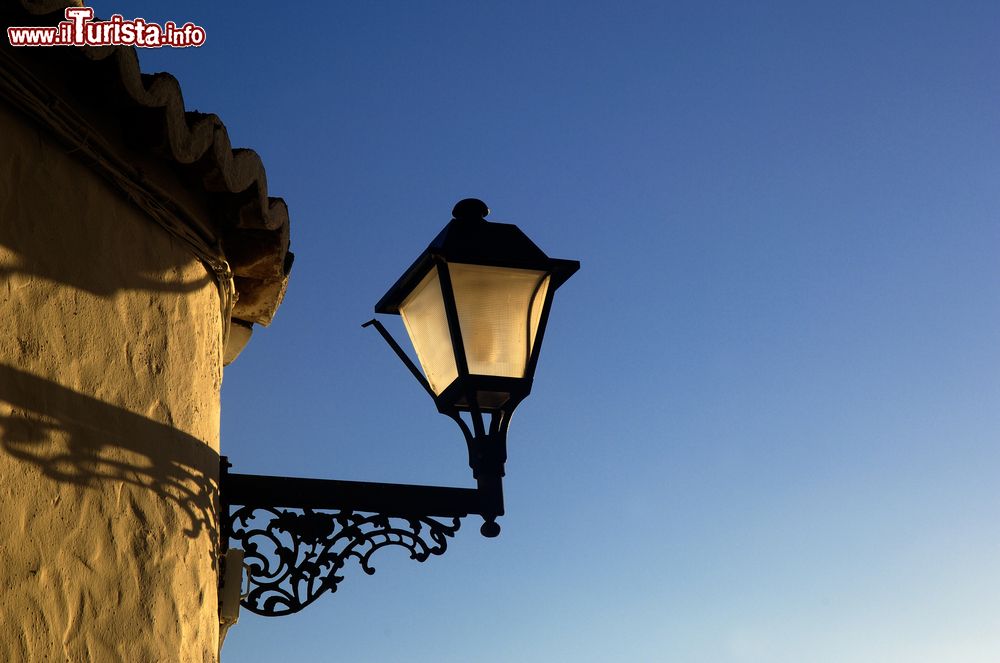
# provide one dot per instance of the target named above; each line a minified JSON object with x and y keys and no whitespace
{"x":110,"y":367}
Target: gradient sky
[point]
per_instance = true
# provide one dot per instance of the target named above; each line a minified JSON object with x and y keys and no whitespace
{"x":764,"y":425}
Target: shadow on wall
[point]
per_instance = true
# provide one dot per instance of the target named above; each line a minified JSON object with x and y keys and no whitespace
{"x":54,"y":208}
{"x":76,"y":439}
{"x":98,"y":271}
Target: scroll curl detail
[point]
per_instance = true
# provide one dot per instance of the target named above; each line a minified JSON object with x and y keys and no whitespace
{"x":295,"y":555}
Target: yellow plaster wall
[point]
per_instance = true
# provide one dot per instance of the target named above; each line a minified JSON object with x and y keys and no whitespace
{"x":110,"y":368}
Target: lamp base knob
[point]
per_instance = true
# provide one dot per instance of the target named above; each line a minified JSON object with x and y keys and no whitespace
{"x":490,"y":529}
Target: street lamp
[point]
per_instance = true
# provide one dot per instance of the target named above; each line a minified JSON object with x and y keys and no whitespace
{"x":475,"y":304}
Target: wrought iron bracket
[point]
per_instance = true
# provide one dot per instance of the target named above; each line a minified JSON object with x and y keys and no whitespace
{"x":298,"y":534}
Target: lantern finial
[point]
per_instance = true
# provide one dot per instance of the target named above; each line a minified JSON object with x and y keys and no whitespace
{"x":470,"y":209}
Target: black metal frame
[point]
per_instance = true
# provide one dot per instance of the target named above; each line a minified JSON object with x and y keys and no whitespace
{"x":470,"y":239}
{"x":297,"y":534}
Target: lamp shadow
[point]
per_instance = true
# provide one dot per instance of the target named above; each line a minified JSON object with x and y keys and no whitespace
{"x":77,"y":439}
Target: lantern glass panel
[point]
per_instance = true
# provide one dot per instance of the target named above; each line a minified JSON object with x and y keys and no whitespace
{"x":499,"y":310}
{"x":426,"y":322}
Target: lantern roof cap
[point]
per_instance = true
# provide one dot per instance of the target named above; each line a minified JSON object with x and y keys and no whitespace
{"x":470,"y":239}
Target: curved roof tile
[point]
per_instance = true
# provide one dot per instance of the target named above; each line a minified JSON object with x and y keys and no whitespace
{"x":253,"y":227}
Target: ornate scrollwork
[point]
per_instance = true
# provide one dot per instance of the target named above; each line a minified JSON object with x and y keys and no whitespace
{"x":294,"y":555}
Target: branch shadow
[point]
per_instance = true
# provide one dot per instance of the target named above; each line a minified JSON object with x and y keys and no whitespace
{"x":75,"y":438}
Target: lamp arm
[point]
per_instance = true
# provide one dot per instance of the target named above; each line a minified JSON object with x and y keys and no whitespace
{"x":401,"y":354}
{"x":257,"y":490}
{"x":297,"y":534}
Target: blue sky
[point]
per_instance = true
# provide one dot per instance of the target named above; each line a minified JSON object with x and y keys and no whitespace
{"x":764,"y":425}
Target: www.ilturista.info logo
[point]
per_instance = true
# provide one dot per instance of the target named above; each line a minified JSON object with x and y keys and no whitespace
{"x":80,"y":29}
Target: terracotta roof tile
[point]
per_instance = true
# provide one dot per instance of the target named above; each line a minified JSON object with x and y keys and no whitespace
{"x":251,"y":226}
